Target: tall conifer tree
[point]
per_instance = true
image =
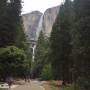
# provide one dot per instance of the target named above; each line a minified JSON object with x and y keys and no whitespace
{"x":60,"y":42}
{"x":11,"y":24}
{"x":81,"y":40}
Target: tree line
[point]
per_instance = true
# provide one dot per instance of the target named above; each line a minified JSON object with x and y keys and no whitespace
{"x":70,"y":43}
{"x":67,"y":53}
{"x":13,"y":46}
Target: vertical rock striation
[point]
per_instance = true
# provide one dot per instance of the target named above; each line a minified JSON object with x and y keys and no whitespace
{"x":36,"y":20}
{"x":30,"y":22}
{"x":49,"y":19}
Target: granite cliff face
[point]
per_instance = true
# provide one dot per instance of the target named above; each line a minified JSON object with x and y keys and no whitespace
{"x":36,"y":20}
{"x":49,"y":19}
{"x":30,"y":22}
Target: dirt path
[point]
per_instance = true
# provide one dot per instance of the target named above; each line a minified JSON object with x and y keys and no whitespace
{"x":33,"y":85}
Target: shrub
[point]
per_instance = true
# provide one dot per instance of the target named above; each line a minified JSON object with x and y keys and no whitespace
{"x":46,"y":73}
{"x":12,"y":61}
{"x":83,"y":83}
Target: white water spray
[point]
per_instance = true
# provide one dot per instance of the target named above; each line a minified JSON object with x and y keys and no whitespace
{"x":33,"y":53}
{"x":39,"y":28}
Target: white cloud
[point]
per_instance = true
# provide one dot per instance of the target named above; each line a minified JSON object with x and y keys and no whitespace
{"x":41,"y":5}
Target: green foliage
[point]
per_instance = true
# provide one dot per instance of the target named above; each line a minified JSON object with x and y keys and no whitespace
{"x":70,"y":43}
{"x":46,"y":73}
{"x":41,"y":54}
{"x":10,"y":22}
{"x":81,"y":42}
{"x":13,"y":45}
{"x":54,"y":87}
{"x":12,"y":61}
{"x":68,"y":87}
{"x":60,"y":42}
{"x":83,"y":83}
{"x":11,"y":49}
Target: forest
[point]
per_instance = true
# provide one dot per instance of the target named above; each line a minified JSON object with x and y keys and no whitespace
{"x":65,"y":55}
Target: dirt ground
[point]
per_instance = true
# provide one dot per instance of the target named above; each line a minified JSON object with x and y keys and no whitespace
{"x":47,"y":87}
{"x":48,"y":84}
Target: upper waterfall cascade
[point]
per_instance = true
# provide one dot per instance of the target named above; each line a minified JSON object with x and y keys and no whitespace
{"x":39,"y":28}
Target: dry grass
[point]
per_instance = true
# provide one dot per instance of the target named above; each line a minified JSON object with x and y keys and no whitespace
{"x":47,"y":87}
{"x":56,"y":83}
{"x":52,"y":85}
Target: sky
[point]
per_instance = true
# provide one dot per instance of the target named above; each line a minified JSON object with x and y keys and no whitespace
{"x":40,"y":5}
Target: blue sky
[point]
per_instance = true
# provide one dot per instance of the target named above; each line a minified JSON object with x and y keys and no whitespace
{"x":40,"y":5}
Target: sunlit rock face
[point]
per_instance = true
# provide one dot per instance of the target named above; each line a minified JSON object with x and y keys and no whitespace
{"x":30,"y":22}
{"x":49,"y":19}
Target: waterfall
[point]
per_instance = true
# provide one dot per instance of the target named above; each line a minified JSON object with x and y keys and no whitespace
{"x":8,"y":1}
{"x":33,"y":53}
{"x":39,"y":28}
{"x":37,"y":35}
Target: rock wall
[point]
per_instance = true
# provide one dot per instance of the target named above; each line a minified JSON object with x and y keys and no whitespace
{"x":32,"y":20}
{"x":49,"y":19}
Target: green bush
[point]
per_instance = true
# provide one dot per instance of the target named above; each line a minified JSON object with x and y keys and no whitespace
{"x":46,"y":73}
{"x":12,"y":61}
{"x":71,"y":87}
{"x":83,"y":83}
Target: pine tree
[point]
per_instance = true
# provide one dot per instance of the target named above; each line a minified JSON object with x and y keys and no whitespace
{"x":14,"y":11}
{"x":81,"y":39}
{"x":3,"y":26}
{"x":60,"y":42}
{"x":11,"y":29}
{"x":41,"y":52}
{"x":11,"y":24}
